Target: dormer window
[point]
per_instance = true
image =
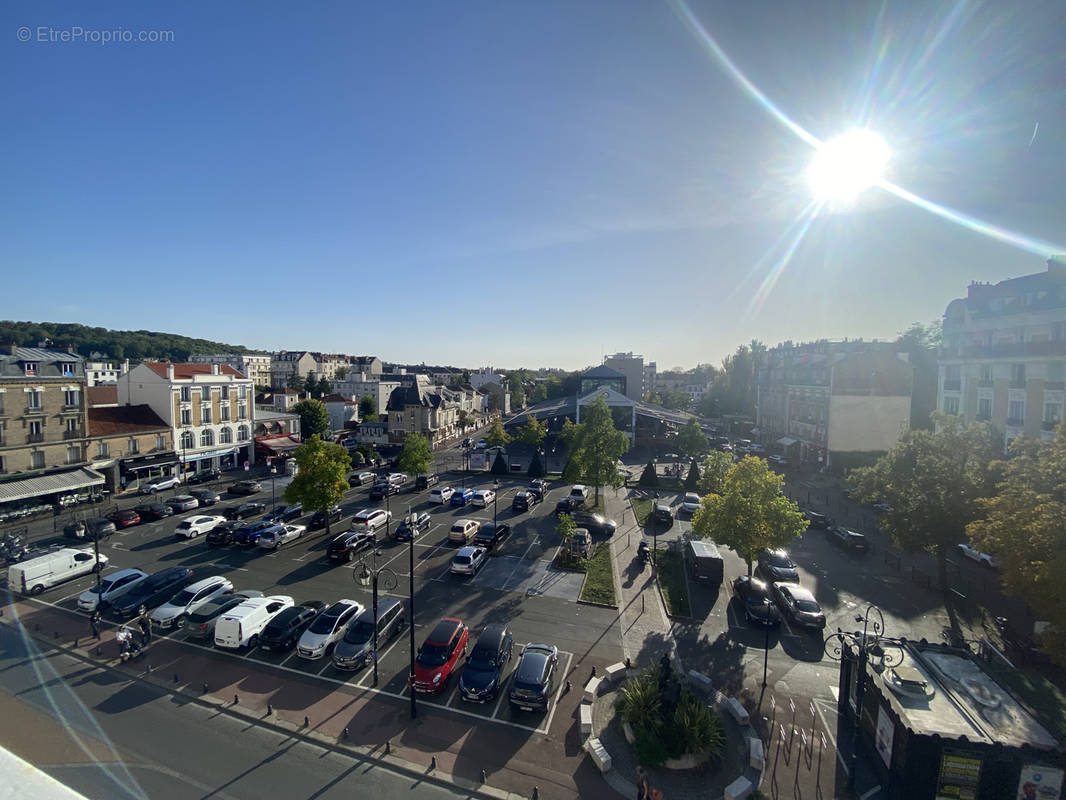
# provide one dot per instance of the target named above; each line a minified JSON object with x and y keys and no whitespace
{"x":31,"y":367}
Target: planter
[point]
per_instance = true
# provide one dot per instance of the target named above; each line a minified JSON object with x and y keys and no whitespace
{"x":687,"y":761}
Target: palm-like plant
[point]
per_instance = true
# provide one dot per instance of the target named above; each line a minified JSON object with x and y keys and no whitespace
{"x":639,"y":702}
{"x":699,"y":729}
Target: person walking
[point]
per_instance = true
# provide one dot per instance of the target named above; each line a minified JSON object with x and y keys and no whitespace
{"x":146,"y":630}
{"x":643,"y":787}
{"x":94,"y":623}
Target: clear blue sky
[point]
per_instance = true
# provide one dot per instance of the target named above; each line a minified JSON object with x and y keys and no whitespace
{"x":517,"y":183}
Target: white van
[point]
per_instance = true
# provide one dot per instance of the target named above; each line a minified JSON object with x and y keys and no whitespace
{"x":43,"y":572}
{"x":241,"y":626}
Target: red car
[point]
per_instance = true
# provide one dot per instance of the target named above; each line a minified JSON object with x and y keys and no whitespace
{"x":439,"y":654}
{"x":123,"y":519}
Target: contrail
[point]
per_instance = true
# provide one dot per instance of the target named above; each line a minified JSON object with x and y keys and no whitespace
{"x":1033,"y":137}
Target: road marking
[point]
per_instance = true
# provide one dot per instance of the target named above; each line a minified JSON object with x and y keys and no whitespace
{"x":536,"y":538}
{"x":558,"y":693}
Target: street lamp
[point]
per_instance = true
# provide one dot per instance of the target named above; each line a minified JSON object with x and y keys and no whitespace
{"x":870,"y":643}
{"x":372,"y":577}
{"x":495,"y":495}
{"x":273,"y":472}
{"x":411,"y":614}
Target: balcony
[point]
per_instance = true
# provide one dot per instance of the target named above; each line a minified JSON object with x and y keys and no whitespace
{"x":34,"y":438}
{"x":985,"y":384}
{"x":1004,"y":350}
{"x":73,"y":435}
{"x":1015,"y":422}
{"x":983,"y":417}
{"x":952,"y":384}
{"x":1017,"y":384}
{"x":1050,"y":425}
{"x":34,"y":410}
{"x":1053,"y":385}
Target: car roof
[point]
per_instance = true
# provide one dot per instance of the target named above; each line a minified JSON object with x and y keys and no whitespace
{"x":798,"y":592}
{"x":205,"y":582}
{"x":468,"y":550}
{"x":122,"y":573}
{"x":532,"y":665}
{"x":444,"y":630}
{"x":492,"y":635}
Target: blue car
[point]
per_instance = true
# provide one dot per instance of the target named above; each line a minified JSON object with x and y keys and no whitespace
{"x":462,"y":497}
{"x":250,"y":535}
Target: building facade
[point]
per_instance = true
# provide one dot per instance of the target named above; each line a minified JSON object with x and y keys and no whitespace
{"x":414,"y":409}
{"x":250,"y":365}
{"x":1003,"y":356}
{"x":101,"y":372}
{"x":129,"y":444}
{"x":632,"y":366}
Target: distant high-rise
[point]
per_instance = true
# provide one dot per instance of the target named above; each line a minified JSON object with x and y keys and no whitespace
{"x":632,"y":366}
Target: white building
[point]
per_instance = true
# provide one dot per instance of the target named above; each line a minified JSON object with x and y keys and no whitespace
{"x":256,"y":367}
{"x":102,"y":372}
{"x":365,"y":384}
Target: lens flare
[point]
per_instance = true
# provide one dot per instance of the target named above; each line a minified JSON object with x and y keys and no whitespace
{"x":846,"y":166}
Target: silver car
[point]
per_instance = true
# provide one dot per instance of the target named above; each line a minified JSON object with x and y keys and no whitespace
{"x":273,"y":538}
{"x":329,"y":626}
{"x":111,"y":586}
{"x":172,"y":612}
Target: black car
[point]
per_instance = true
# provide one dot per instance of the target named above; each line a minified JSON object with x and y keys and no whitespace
{"x":754,"y":596}
{"x":345,"y":546}
{"x":206,"y":476}
{"x":491,"y":534}
{"x":662,"y":513}
{"x":524,"y":500}
{"x":534,"y":677}
{"x":286,"y":513}
{"x":383,"y":488}
{"x":245,"y":487}
{"x":596,"y":524}
{"x":847,"y":539}
{"x":481,"y":678}
{"x":91,"y":529}
{"x":153,"y":591}
{"x":425,"y":481}
{"x":200,"y":624}
{"x":775,"y":566}
{"x":414,"y":524}
{"x":226,"y":533}
{"x":244,"y":510}
{"x":565,"y":506}
{"x":207,"y":497}
{"x":318,"y":519}
{"x":282,"y":632}
{"x":816,"y":520}
{"x":153,"y":511}
{"x":539,"y":488}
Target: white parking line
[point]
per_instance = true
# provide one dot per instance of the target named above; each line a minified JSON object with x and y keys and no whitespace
{"x":558,"y":694}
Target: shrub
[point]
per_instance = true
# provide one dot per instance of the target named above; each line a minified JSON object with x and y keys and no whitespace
{"x":639,"y":701}
{"x":536,"y":468}
{"x":650,"y":748}
{"x":649,"y":478}
{"x":692,"y":482}
{"x":698,"y":729}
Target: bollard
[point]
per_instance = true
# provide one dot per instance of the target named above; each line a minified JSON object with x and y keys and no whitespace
{"x":593,"y":670}
{"x":147,"y":668}
{"x":307,"y":722}
{"x":483,"y":777}
{"x":629,"y":664}
{"x":175,"y":677}
{"x":344,"y":733}
{"x":56,"y":636}
{"x":433,"y":762}
{"x":97,"y":649}
{"x":641,"y":610}
{"x":205,"y":687}
{"x":568,"y":688}
{"x":236,"y":700}
{"x":75,"y":641}
{"x":270,"y":709}
{"x":388,"y":746}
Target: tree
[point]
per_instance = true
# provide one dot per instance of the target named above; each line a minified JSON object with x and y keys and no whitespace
{"x":499,"y":465}
{"x":416,"y":457}
{"x":692,"y":482}
{"x":322,"y":478}
{"x":932,"y":481}
{"x":368,"y":451}
{"x":314,"y":419}
{"x":310,"y":386}
{"x":1024,"y":528}
{"x":532,"y":432}
{"x":368,"y":408}
{"x":497,"y":437}
{"x":518,"y":394}
{"x":565,"y":527}
{"x":295,"y":382}
{"x":340,"y":374}
{"x":691,"y":440}
{"x":536,"y":466}
{"x":464,"y":419}
{"x":595,"y":447}
{"x":715,"y":467}
{"x":751,"y":513}
{"x":324,"y":386}
{"x":649,"y":478}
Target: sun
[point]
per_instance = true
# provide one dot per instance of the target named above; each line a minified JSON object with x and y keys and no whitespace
{"x":847,"y":165}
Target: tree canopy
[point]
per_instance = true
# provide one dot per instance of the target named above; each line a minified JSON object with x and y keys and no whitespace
{"x":751,"y":513}
{"x":314,"y":419}
{"x":499,"y":465}
{"x":715,"y":467}
{"x":595,"y":447}
{"x":649,"y":478}
{"x":691,"y":441}
{"x":368,"y":408}
{"x":416,"y":457}
{"x":322,"y":478}
{"x":532,"y":432}
{"x":536,"y":466}
{"x":497,"y":436}
{"x":692,"y":480}
{"x":1025,"y":529}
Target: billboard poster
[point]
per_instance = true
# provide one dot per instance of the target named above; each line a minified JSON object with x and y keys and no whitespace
{"x":1038,"y":782}
{"x":478,"y":460}
{"x":960,"y":775}
{"x":886,"y":731}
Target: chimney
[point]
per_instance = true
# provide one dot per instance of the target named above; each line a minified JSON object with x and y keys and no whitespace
{"x":8,"y":348}
{"x":170,"y":371}
{"x":214,"y":369}
{"x":1057,"y":265}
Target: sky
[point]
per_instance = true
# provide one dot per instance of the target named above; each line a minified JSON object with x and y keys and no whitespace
{"x":521,"y":184}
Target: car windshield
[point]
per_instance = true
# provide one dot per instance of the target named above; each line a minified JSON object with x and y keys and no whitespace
{"x":779,"y":560}
{"x":182,"y":598}
{"x":325,"y":623}
{"x":361,"y":632}
{"x":808,"y":606}
{"x":482,"y":658}
{"x":433,"y":655}
{"x":462,"y":560}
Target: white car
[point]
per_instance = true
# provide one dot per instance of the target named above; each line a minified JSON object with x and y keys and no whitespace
{"x":193,"y":526}
{"x":111,"y":586}
{"x":273,"y":539}
{"x":370,"y":519}
{"x":984,"y":559}
{"x":691,"y":503}
{"x":441,"y":494}
{"x":469,"y":560}
{"x":482,"y":498}
{"x":171,"y":613}
{"x":153,"y":485}
{"x":327,"y":629}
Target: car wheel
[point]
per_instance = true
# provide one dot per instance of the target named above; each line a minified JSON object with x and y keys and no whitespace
{"x":348,"y":556}
{"x":37,"y":589}
{"x":253,"y":642}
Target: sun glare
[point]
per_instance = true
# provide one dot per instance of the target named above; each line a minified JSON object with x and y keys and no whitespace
{"x":847,"y":165}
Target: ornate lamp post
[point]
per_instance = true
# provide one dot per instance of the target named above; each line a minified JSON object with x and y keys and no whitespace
{"x":373,"y":577}
{"x":869,"y":644}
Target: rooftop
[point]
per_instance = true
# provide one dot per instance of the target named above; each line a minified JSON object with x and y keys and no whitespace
{"x":185,"y":370}
{"x":115,"y":420}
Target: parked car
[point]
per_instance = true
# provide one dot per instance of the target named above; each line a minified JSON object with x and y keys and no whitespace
{"x":439,"y":654}
{"x":383,"y":489}
{"x":579,"y":544}
{"x":776,"y":567}
{"x":463,"y":530}
{"x":152,"y":591}
{"x":320,"y":517}
{"x":483,"y":672}
{"x":441,"y":494}
{"x":245,"y":510}
{"x":182,"y":502}
{"x":160,"y":484}
{"x":286,"y":513}
{"x":579,"y":494}
{"x":245,"y":487}
{"x":37,"y":571}
{"x":816,"y":520}
{"x":596,"y":524}
{"x":361,"y":479}
{"x":491,"y":534}
{"x":847,"y":539}
{"x":984,"y":559}
{"x":481,"y":444}
{"x":284,"y":630}
{"x":481,"y":499}
{"x":241,"y":626}
{"x":355,"y":649}
{"x":523,"y":501}
{"x":328,"y":627}
{"x":798,"y":604}
{"x":193,"y":526}
{"x":206,"y":497}
{"x":273,"y":538}
{"x":425,"y":481}
{"x":170,"y":614}
{"x":370,"y":519}
{"x":206,"y":476}
{"x":779,"y":462}
{"x":539,"y":488}
{"x":110,"y":587}
{"x":248,"y":536}
{"x":753,"y":595}
{"x":413,"y":524}
{"x":200,"y":623}
{"x":125,"y":519}
{"x":153,"y":511}
{"x":225,"y":532}
{"x":565,"y":505}
{"x":461,"y":497}
{"x":662,"y":513}
{"x":91,"y":529}
{"x":690,"y":503}
{"x":467,"y":442}
{"x":534,"y":677}
{"x":468,"y":561}
{"x":345,"y":546}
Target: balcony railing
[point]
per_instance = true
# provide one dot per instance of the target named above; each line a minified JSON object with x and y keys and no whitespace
{"x":73,"y":434}
{"x":34,"y":438}
{"x":1050,"y":425}
{"x":1004,"y":350}
{"x":1060,"y":385}
{"x":1015,"y":422}
{"x":952,"y":384}
{"x":34,"y":410}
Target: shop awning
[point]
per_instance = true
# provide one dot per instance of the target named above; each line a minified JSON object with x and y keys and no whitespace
{"x":785,"y":441}
{"x":189,"y":458}
{"x":281,"y":444}
{"x":49,"y":484}
{"x":149,"y":462}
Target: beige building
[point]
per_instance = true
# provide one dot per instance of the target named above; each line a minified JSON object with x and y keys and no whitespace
{"x":416,"y":409}
{"x":128,"y":444}
{"x":632,"y":366}
{"x":1003,"y":356}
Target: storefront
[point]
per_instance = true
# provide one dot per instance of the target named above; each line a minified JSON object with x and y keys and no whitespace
{"x":223,"y":458}
{"x":42,"y":493}
{"x":138,"y":468}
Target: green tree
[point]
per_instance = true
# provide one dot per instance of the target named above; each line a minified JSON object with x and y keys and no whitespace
{"x":368,"y":408}
{"x":295,"y":382}
{"x":310,"y":386}
{"x":324,"y":386}
{"x":532,"y":432}
{"x":595,"y":447}
{"x":1025,"y":528}
{"x":322,"y":478}
{"x":368,"y":451}
{"x":463,"y":420}
{"x":715,"y":467}
{"x":314,"y":419}
{"x":932,"y":481}
{"x":536,"y":466}
{"x":565,"y":527}
{"x":499,"y":465}
{"x":690,"y":439}
{"x":497,"y":437}
{"x":540,"y":392}
{"x":649,"y":478}
{"x":518,"y":393}
{"x":692,"y":482}
{"x":416,"y":457}
{"x":751,"y":513}
{"x":340,"y":374}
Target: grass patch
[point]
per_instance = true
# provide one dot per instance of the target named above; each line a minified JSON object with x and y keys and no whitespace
{"x":1038,"y":692}
{"x":642,"y":510}
{"x":672,"y":581}
{"x":599,"y":580}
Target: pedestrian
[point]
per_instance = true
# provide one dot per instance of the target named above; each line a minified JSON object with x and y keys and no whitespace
{"x":643,"y":787}
{"x":94,"y":623}
{"x":146,"y":630}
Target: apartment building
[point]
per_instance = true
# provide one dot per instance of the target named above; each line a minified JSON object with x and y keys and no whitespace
{"x":209,"y":409}
{"x":368,"y":384}
{"x":1003,"y":353}
{"x":250,"y":365}
{"x":102,"y":373}
{"x":632,"y":366}
{"x":417,"y":409}
{"x":128,"y":444}
{"x":286,"y":366}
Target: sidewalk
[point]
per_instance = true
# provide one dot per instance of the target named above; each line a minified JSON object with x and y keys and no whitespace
{"x":438,"y":746}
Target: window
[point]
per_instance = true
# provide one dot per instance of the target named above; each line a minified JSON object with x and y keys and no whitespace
{"x":134,"y":447}
{"x":225,"y":392}
{"x":186,"y":416}
{"x":984,"y":408}
{"x":160,"y":441}
{"x":207,"y":438}
{"x":103,"y":449}
{"x":33,"y":399}
{"x":31,"y":367}
{"x":70,"y":398}
{"x":2,"y":467}
{"x":242,"y":433}
{"x":951,"y":405}
{"x":1052,"y":413}
{"x":224,"y":413}
{"x":37,"y":460}
{"x":205,"y":414}
{"x":1056,"y":371}
{"x":185,"y":394}
{"x":953,"y":372}
{"x":1016,"y":411}
{"x":72,"y":426}
{"x":225,"y":436}
{"x":35,"y":428}
{"x":242,"y":393}
{"x":1017,"y":374}
{"x":242,"y":411}
{"x":67,"y":369}
{"x":187,"y":441}
{"x":986,"y":373}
